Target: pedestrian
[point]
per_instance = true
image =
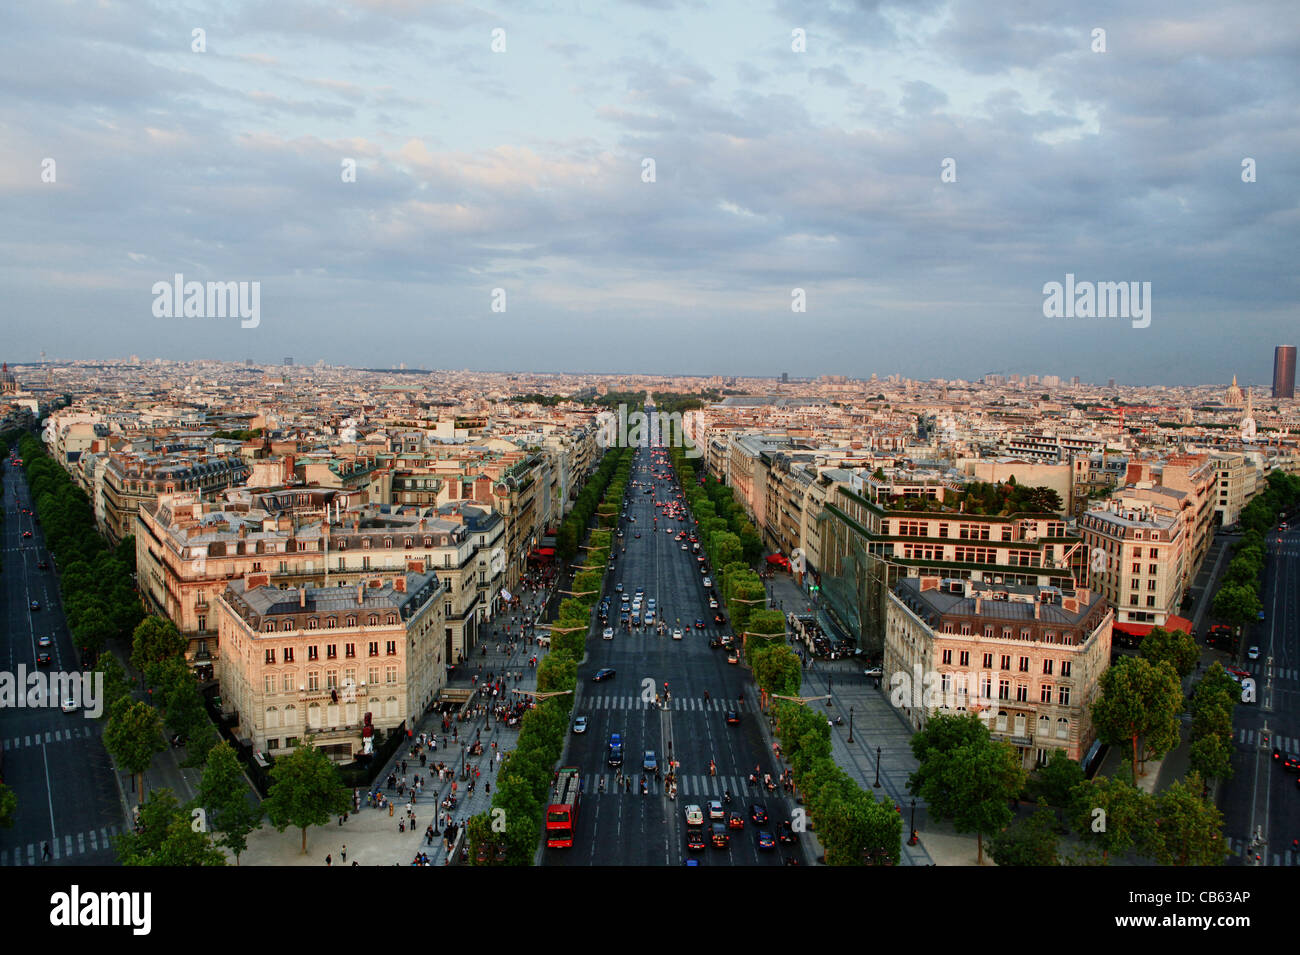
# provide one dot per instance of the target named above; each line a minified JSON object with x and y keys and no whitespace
{"x":45,"y":851}
{"x":390,"y":810}
{"x":329,"y":861}
{"x":344,"y":853}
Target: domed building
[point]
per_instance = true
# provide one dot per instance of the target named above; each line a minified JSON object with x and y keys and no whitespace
{"x":1234,"y":397}
{"x":8,"y":383}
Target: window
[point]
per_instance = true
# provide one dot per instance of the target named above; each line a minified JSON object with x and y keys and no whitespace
{"x":1002,"y":721}
{"x":1022,"y":693}
{"x":1047,"y":667}
{"x":287,"y":683}
{"x":1155,"y":569}
{"x":1137,"y":568}
{"x":268,"y":684}
{"x":390,"y":674}
{"x":1004,"y":689}
{"x":1045,"y":693}
{"x":1151,"y":585}
{"x":270,"y":657}
{"x":1063,"y":695}
{"x":392,"y":619}
{"x":372,"y":675}
{"x":270,"y":626}
{"x":1153,"y":553}
{"x":947,"y":657}
{"x":331,"y":651}
{"x":350,"y":650}
{"x":331,"y":623}
{"x":988,"y":661}
{"x":1151,"y":601}
{"x":1024,"y":664}
{"x":1065,"y":668}
{"x":313,"y":624}
{"x":373,"y":620}
{"x":964,"y":658}
{"x":391,"y":647}
{"x":331,"y":679}
{"x":313,"y":681}
{"x":351,"y":621}
{"x":1062,"y":728}
{"x":374,"y":648}
{"x":312,"y":653}
{"x":1006,"y":662}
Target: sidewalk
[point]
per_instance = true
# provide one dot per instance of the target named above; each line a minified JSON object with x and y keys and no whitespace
{"x":876,"y":725}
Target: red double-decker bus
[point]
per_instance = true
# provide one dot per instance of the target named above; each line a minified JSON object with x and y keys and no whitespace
{"x":562,"y":814}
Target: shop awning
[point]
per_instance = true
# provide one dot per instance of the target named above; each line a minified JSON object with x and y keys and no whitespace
{"x":1142,"y":629}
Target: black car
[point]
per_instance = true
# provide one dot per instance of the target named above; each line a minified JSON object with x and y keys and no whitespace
{"x":786,"y":834}
{"x":604,"y":673}
{"x":733,"y":718}
{"x":1291,"y":763}
{"x":721,"y":838}
{"x":694,"y":838}
{"x":758,"y":813}
{"x":42,"y":565}
{"x":43,"y":659}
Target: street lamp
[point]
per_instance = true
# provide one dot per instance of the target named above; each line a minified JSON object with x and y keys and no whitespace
{"x":850,"y":724}
{"x":877,"y":785}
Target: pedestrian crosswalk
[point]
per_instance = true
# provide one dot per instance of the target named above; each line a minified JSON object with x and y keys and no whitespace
{"x":697,"y":788}
{"x":1242,"y":848}
{"x":52,"y":736}
{"x":1287,"y":744}
{"x":684,"y":704}
{"x":64,"y":847}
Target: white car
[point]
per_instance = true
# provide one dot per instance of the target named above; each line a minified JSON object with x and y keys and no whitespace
{"x":677,"y":633}
{"x":684,"y":547}
{"x":713,"y":604}
{"x":694,"y":816}
{"x":70,"y":706}
{"x":608,"y":633}
{"x":874,"y":671}
{"x":1252,"y":653}
{"x":708,"y":581}
{"x":580,"y":724}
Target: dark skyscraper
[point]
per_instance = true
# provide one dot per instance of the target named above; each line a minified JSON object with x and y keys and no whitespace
{"x":1284,"y":371}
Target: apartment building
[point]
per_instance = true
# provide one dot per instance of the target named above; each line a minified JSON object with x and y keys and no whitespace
{"x":1236,"y":484}
{"x":187,"y":550}
{"x":131,"y":479}
{"x":328,"y":662}
{"x":1138,"y":558}
{"x":1028,"y":660}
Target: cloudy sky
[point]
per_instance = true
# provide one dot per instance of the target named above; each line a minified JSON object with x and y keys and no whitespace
{"x":524,"y":168}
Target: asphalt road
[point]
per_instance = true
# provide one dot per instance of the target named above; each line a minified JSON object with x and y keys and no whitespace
{"x":54,"y":761}
{"x":1262,"y":796}
{"x":628,"y":828}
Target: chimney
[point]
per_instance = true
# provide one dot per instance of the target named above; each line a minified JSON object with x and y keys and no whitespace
{"x":253,"y":581}
{"x":243,"y":531}
{"x":1038,"y":607}
{"x":360,"y":592}
{"x":978,"y":604}
{"x":399,"y":585}
{"x":302,"y":597}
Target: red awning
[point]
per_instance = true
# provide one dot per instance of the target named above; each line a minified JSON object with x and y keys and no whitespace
{"x":1142,"y":629}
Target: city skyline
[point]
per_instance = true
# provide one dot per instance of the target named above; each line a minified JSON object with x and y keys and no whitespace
{"x":820,"y":168}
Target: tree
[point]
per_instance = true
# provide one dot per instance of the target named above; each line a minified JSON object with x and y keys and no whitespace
{"x":777,"y":670}
{"x":1188,"y":830}
{"x":965,"y":776}
{"x":224,"y":792}
{"x":1111,"y":813}
{"x":305,"y":791}
{"x":1139,"y":701}
{"x":8,"y":807}
{"x":1236,"y":603}
{"x":1027,"y":842}
{"x":1211,"y":757}
{"x":167,"y":837}
{"x":116,"y":683}
{"x":155,"y":643}
{"x":133,"y":735}
{"x":1173,"y":647}
{"x":1055,"y":781}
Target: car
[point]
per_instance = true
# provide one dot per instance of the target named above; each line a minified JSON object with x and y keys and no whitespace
{"x":620,"y":530}
{"x":694,"y":815}
{"x":580,"y":724}
{"x":733,"y":656}
{"x":1282,"y":526}
{"x":649,"y":618}
{"x":677,"y":633}
{"x":786,"y":833}
{"x":720,"y":618}
{"x":1237,"y":672}
{"x":36,"y":605}
{"x":649,"y":762}
{"x":720,"y":837}
{"x":650,"y":602}
{"x":695,"y":838}
{"x":735,"y":821}
{"x":43,"y":659}
{"x":765,"y":841}
{"x":873,"y":671}
{"x":607,"y":633}
{"x":618,"y":587}
{"x":611,"y":563}
{"x":708,"y":581}
{"x":70,"y":705}
{"x":713,"y":604}
{"x":44,"y":641}
{"x":699,"y":558}
{"x":604,"y":673}
{"x":638,"y":535}
{"x":733,"y":718}
{"x":1252,"y":653}
{"x":699,"y":623}
{"x":716,"y":811}
{"x":42,"y":565}
{"x":1291,"y":763}
{"x":614,"y":752}
{"x":758,"y":813}
{"x":29,"y":534}
{"x":640,"y":592}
